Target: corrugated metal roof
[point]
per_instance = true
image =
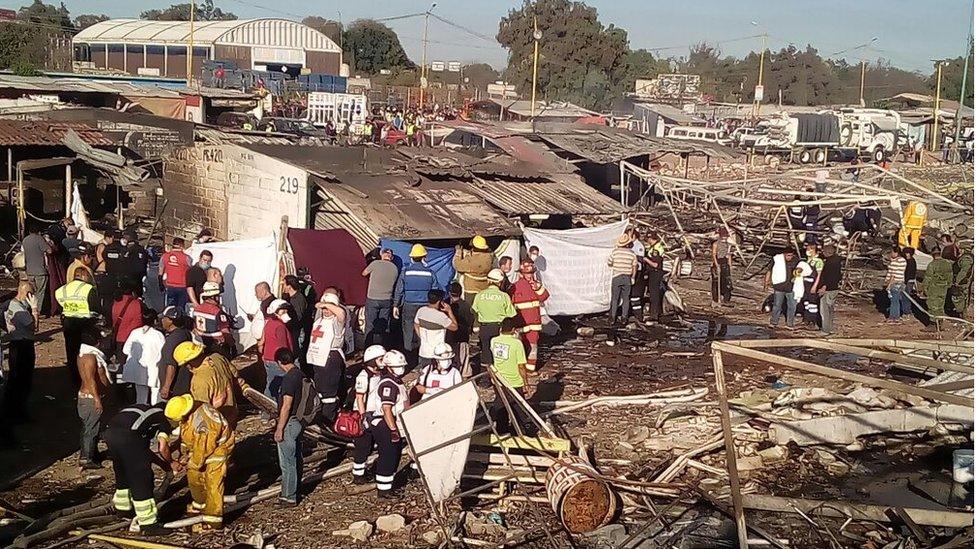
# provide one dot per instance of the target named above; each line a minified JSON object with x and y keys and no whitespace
{"x":15,"y":133}
{"x":401,"y":207}
{"x":606,"y":145}
{"x":671,"y":113}
{"x":567,"y":194}
{"x":219,"y":137}
{"x":543,"y":109}
{"x":950,"y":377}
{"x":247,"y":32}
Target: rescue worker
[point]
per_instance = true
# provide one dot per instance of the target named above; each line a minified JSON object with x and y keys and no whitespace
{"x":472,"y":266}
{"x":79,"y":306}
{"x":811,"y":222}
{"x":83,"y":260}
{"x":654,"y":265}
{"x":136,"y":260}
{"x":490,"y":307}
{"x":211,"y":323}
{"x":213,"y":379}
{"x":115,"y":267}
{"x":935,"y":286}
{"x":528,"y":295}
{"x":962,"y":281}
{"x":794,"y":218}
{"x":440,"y":375}
{"x":206,"y":441}
{"x":325,"y":356}
{"x":811,"y":300}
{"x":369,"y":376}
{"x":173,"y":267}
{"x":415,"y":282}
{"x":380,"y":422}
{"x":129,"y":437}
{"x":722,"y":269}
{"x":913,"y":219}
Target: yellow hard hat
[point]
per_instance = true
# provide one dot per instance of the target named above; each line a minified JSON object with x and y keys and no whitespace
{"x":187,"y":351}
{"x":479,"y":242}
{"x":178,"y":407}
{"x":418,"y":250}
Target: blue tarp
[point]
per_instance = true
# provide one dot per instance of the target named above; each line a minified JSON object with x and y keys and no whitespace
{"x":438,"y":259}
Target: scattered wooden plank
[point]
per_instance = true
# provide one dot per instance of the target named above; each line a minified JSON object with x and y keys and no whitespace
{"x":546,"y":444}
{"x":841,"y":509}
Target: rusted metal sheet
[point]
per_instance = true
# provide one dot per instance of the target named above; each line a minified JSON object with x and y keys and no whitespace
{"x":14,"y":133}
{"x":564,"y":195}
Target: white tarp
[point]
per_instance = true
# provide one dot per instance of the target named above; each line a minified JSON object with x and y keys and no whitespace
{"x":573,"y":266}
{"x":436,"y":420}
{"x":510,"y":247}
{"x":80,"y":217}
{"x":244,"y":263}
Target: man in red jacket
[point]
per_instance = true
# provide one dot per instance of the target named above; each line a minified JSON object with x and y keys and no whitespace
{"x":172,"y":275}
{"x":528,"y":295}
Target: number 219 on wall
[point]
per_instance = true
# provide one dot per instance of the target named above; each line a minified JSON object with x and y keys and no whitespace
{"x":288,"y":185}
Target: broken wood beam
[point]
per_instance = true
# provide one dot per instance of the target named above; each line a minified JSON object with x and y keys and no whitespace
{"x":666,"y":397}
{"x":841,"y":509}
{"x":733,"y":348}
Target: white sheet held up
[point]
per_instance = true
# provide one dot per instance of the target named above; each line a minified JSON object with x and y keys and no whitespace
{"x":573,"y":266}
{"x":244,"y":263}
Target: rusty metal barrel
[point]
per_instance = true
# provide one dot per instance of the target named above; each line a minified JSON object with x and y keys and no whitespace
{"x":579,"y":498}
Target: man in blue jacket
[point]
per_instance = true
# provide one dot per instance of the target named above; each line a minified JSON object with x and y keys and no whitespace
{"x":415,"y":282}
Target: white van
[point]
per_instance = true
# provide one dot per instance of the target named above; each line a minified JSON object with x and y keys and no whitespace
{"x":697,"y":133}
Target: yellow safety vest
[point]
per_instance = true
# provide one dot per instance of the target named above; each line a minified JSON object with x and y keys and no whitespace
{"x":410,"y":129}
{"x":914,"y":216}
{"x":73,"y":298}
{"x":367,"y":129}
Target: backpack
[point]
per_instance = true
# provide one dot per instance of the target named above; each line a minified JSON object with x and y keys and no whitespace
{"x":348,"y":424}
{"x":308,"y":406}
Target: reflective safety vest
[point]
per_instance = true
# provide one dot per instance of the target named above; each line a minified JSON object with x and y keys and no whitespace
{"x":73,"y":298}
{"x":914,"y":216}
{"x":410,"y":130}
{"x":367,"y":129}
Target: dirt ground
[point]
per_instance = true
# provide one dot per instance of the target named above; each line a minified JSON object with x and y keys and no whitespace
{"x":38,"y":471}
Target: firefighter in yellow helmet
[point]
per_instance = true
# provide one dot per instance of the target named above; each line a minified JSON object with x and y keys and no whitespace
{"x":215,"y":380}
{"x":206,"y":442}
{"x":473,"y":266}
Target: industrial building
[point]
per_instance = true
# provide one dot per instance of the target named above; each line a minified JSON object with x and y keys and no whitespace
{"x":159,"y":48}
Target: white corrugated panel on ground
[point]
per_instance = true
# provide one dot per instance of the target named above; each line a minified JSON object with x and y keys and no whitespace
{"x":573,"y":266}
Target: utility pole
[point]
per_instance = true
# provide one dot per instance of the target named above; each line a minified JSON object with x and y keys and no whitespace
{"x":189,"y":49}
{"x":423,"y":65}
{"x":759,"y":85}
{"x":536,"y":35}
{"x":863,"y":68}
{"x":962,"y":96}
{"x":935,"y":107}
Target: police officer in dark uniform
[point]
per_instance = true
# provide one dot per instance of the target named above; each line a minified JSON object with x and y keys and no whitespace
{"x":128,"y":436}
{"x":136,"y":260}
{"x":115,"y":269}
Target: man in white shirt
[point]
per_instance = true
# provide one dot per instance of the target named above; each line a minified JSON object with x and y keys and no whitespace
{"x":143,"y":348}
{"x":431,"y":324}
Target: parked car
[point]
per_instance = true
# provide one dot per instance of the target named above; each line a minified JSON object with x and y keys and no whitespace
{"x":236,"y":120}
{"x":697,"y":133}
{"x":293,"y":126}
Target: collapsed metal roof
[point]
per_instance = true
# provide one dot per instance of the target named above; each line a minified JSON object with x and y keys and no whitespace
{"x":16,"y":133}
{"x":607,"y":145}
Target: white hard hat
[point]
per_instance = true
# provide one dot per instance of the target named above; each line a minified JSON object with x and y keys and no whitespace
{"x":330,"y":298}
{"x":275,"y":305}
{"x":443,"y":351}
{"x":394,"y":359}
{"x":210,"y":289}
{"x":496,"y":275}
{"x":373,"y":352}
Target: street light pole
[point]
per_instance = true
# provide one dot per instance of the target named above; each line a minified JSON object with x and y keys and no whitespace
{"x":962,"y":96}
{"x":189,"y":50}
{"x":935,"y":107}
{"x":423,"y":65}
{"x":536,"y":35}
{"x":762,"y":60}
{"x":861,"y":95}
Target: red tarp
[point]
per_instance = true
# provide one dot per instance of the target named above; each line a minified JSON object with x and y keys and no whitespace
{"x":333,"y":258}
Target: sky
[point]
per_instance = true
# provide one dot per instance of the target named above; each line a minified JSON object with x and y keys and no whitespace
{"x":909,"y":33}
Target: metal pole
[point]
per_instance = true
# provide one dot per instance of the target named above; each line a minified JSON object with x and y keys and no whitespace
{"x":762,"y":59}
{"x":935,"y":107}
{"x":863,"y":66}
{"x":962,"y":96}
{"x":423,"y":64}
{"x":68,"y":190}
{"x":535,"y":60}
{"x":189,"y":50}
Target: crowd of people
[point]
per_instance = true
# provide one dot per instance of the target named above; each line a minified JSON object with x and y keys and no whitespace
{"x":166,"y":373}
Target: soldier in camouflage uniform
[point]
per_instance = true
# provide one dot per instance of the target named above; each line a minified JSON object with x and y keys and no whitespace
{"x":962,"y":282}
{"x":938,"y":280}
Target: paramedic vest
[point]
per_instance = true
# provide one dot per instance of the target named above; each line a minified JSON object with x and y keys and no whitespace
{"x":209,"y":319}
{"x":73,"y":298}
{"x":386,"y":387}
{"x":327,"y":335}
{"x":175,"y":264}
{"x":436,"y":381}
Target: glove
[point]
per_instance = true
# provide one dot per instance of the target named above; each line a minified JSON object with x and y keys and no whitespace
{"x":395,"y":436}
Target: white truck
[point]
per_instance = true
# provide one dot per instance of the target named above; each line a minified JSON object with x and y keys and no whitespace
{"x":812,"y":137}
{"x":337,"y":107}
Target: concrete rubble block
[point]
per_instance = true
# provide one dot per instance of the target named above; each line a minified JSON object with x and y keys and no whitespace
{"x":390,"y":523}
{"x":607,"y":537}
{"x":845,"y":429}
{"x":432,"y":537}
{"x":357,"y":531}
{"x":774,"y":454}
{"x":838,"y":468}
{"x":749,"y":463}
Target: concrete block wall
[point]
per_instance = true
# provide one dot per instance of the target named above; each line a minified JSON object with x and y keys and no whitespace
{"x":236,"y":192}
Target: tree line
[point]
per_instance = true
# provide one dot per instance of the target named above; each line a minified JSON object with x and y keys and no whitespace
{"x":581,"y":59}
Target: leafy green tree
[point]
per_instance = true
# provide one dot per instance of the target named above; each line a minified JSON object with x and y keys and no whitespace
{"x":329,"y":27}
{"x":581,"y":60}
{"x":205,"y":11}
{"x":374,"y":46}
{"x":952,"y":81}
{"x":479,"y":75}
{"x":49,"y":17}
{"x":25,"y":43}
{"x":86,"y":20}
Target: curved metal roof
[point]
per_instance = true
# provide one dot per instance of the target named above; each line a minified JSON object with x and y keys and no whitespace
{"x":244,"y":32}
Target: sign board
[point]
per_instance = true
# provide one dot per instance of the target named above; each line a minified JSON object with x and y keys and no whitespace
{"x":669,"y":87}
{"x":454,"y":66}
{"x":433,"y":421}
{"x":437,"y":66}
{"x":759,"y":93}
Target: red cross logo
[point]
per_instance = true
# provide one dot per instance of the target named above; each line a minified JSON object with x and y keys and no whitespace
{"x":317,"y":333}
